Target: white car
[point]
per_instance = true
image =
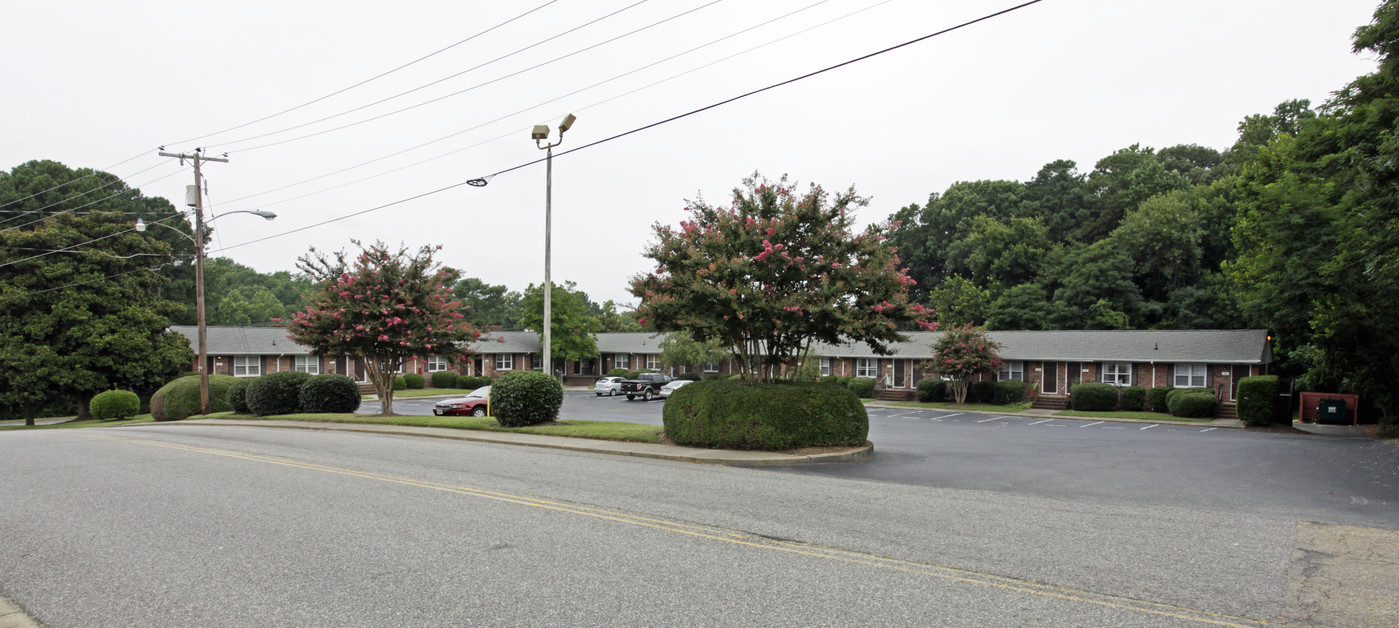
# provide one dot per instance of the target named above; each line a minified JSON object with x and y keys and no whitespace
{"x":670,"y":388}
{"x":609,"y":386}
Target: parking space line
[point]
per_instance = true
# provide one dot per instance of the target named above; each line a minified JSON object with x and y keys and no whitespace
{"x":948,"y":416}
{"x":1093,"y":423}
{"x":1151,"y":426}
{"x":1208,"y":429}
{"x":1044,"y":421}
{"x":990,"y":419}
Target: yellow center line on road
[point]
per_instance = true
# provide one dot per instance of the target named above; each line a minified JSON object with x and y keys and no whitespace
{"x":936,"y":571}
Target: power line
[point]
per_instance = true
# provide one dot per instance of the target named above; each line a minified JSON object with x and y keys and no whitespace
{"x":473,"y":87}
{"x":368,"y":80}
{"x":69,"y":248}
{"x":72,"y":181}
{"x":13,"y":295}
{"x":91,"y":203}
{"x":480,"y":181}
{"x":105,"y":185}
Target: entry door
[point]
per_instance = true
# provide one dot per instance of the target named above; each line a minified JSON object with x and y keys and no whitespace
{"x":1050,"y":377}
{"x":898,"y":373}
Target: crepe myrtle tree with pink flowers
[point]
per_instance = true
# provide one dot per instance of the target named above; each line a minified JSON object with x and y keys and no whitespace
{"x":383,"y":308}
{"x":959,"y":354}
{"x":775,"y":271}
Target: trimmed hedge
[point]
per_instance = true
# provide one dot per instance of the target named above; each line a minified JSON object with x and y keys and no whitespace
{"x":690,"y":375}
{"x":1133,"y":398}
{"x":1193,"y":405}
{"x":180,"y":398}
{"x":1156,"y":398}
{"x":399,"y":383}
{"x":522,"y":398}
{"x":415,"y":381}
{"x":618,"y":373}
{"x":931,"y":390}
{"x":863,"y":387}
{"x":1171,"y":394}
{"x":828,"y":379}
{"x":276,"y":393}
{"x":472,"y":383}
{"x":444,"y":379}
{"x":1095,"y":397}
{"x":330,"y":393}
{"x":114,"y":404}
{"x":710,"y":376}
{"x":1009,"y":391}
{"x":238,"y":396}
{"x":769,"y":417}
{"x":984,"y":392}
{"x":1256,"y":395}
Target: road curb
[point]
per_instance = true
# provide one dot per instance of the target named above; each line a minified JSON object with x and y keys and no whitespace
{"x":12,"y":616}
{"x":1229,"y":423}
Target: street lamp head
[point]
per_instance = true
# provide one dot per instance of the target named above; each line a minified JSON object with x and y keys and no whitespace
{"x":140,"y":226}
{"x":266,"y":215}
{"x":541,"y":132}
{"x":567,"y":123}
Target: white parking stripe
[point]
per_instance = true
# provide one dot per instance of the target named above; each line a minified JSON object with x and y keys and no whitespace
{"x":1093,"y":423}
{"x":1208,"y":429}
{"x":948,"y":416}
{"x":1150,"y":426}
{"x":991,"y":419}
{"x":1044,"y":421}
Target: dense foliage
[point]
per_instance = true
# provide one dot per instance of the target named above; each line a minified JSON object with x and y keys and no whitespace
{"x":773,"y":272}
{"x":238,"y":396}
{"x":115,"y":404}
{"x":572,"y":330}
{"x":276,"y":393}
{"x":444,"y":379}
{"x":1094,"y":397}
{"x":1196,"y":405}
{"x":962,"y":351}
{"x":521,"y":398}
{"x":329,"y":393}
{"x":1133,"y":398}
{"x":1008,"y":392}
{"x":179,"y":398}
{"x":1256,"y":397}
{"x":863,"y":387}
{"x":931,"y":389}
{"x":1156,"y":398}
{"x":738,"y":414}
{"x":414,"y":381}
{"x":382,"y":307}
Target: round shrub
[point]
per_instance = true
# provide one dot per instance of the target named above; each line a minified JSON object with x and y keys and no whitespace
{"x":633,"y":374}
{"x":1256,"y":395}
{"x":1172,"y":393}
{"x":1009,"y":391}
{"x":276,"y":393}
{"x":984,"y":392}
{"x":844,"y":380}
{"x":114,"y":404}
{"x":931,"y":390}
{"x":863,"y":387}
{"x":522,"y":398}
{"x":1195,"y":405}
{"x":1095,"y":397}
{"x":690,"y":375}
{"x":399,"y":383}
{"x":1133,"y":398}
{"x":414,"y":381}
{"x":180,"y":398}
{"x":1156,"y":398}
{"x":618,"y":373}
{"x":828,"y":379}
{"x":238,"y":396}
{"x":444,"y":379}
{"x":329,"y":393}
{"x":770,"y":417}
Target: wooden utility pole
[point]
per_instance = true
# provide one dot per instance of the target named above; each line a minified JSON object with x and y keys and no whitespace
{"x":203,"y":366}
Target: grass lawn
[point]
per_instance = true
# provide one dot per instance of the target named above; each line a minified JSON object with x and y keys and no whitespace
{"x":428,"y":392}
{"x":600,"y":430}
{"x":143,"y":418}
{"x":947,"y":405}
{"x":1123,"y":414}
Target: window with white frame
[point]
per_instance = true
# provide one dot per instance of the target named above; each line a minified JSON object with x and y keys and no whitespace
{"x":711,"y":367}
{"x":435,"y":364}
{"x":308,"y":364}
{"x":536,"y":362}
{"x":247,"y":365}
{"x":504,"y":361}
{"x":1189,"y":376}
{"x":825,"y":367}
{"x":1011,"y":369}
{"x":866,"y":367}
{"x":621,"y":361}
{"x":653,"y":362}
{"x":1117,"y":373}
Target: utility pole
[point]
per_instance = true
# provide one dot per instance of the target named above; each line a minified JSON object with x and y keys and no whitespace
{"x":197,"y":157}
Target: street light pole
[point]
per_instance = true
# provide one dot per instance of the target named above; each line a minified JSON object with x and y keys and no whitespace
{"x":198,"y":157}
{"x":541,"y":133}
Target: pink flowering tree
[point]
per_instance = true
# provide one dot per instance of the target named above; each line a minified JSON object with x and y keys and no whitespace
{"x":773,"y":272}
{"x":382,"y":308}
{"x":959,"y":354}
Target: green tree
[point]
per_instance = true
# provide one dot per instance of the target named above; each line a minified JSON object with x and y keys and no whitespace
{"x":382,"y":307}
{"x":572,"y":330}
{"x":679,"y":349}
{"x":611,"y":320}
{"x":959,"y":354}
{"x":1119,"y":183}
{"x":1096,"y":283}
{"x":960,"y":301}
{"x":1057,"y":195}
{"x":1021,"y":307}
{"x":489,"y":306}
{"x":772,"y":273}
{"x":1001,"y":252}
{"x":1162,"y":238}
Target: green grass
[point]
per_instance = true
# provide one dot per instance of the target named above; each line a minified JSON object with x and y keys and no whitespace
{"x":598,"y":430}
{"x":427,"y":392}
{"x":142,"y":418}
{"x":948,"y":405}
{"x":1123,"y":414}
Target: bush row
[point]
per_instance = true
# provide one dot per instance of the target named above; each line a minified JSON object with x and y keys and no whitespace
{"x":744,"y":415}
{"x":285,"y":392}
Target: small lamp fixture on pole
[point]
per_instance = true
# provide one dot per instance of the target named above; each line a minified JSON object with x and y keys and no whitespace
{"x":541,"y":134}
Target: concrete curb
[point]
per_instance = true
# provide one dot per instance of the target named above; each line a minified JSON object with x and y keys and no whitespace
{"x":616,"y":448}
{"x":1230,"y":423}
{"x":12,"y":616}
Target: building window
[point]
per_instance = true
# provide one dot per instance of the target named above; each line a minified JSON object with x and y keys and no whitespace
{"x":621,"y":361}
{"x":536,"y":362}
{"x":247,"y":365}
{"x":1117,"y":373}
{"x":308,"y":364}
{"x":585,"y":366}
{"x":435,"y":364}
{"x":825,"y":367}
{"x":866,"y":367}
{"x":653,"y":362}
{"x":1189,"y":376}
{"x":711,"y":367}
{"x":504,"y":361}
{"x":1011,"y":369}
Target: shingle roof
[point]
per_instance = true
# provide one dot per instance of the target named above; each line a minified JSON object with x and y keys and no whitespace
{"x":241,"y":340}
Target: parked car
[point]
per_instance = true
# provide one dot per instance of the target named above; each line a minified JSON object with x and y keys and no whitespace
{"x":646,"y":385}
{"x":670,"y":388}
{"x":609,"y":386}
{"x":475,"y":403}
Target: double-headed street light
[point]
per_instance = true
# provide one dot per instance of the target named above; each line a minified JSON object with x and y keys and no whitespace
{"x":198,"y":240}
{"x":541,"y":134}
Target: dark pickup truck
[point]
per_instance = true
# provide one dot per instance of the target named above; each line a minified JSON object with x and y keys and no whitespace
{"x":646,"y":385}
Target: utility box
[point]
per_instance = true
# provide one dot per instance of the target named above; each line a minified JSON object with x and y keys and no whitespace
{"x":1331,"y":411}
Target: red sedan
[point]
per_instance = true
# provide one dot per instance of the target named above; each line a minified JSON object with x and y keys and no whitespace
{"x":473,"y":404}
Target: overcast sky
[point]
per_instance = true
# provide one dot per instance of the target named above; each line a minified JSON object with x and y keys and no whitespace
{"x":92,"y":84}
